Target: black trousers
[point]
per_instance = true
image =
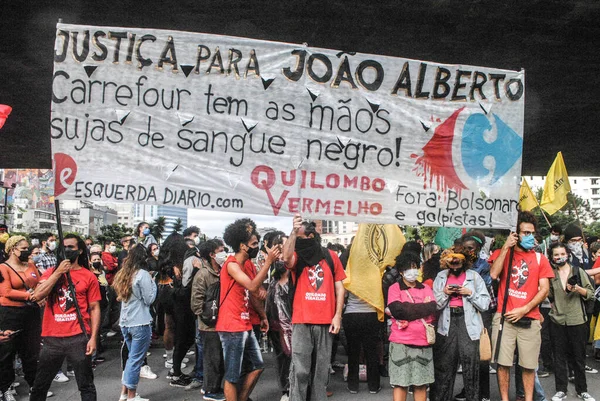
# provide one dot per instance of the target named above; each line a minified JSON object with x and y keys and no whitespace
{"x":26,"y":343}
{"x":546,"y":353}
{"x":282,"y":360}
{"x":450,"y":351}
{"x":569,"y":350}
{"x":54,"y":351}
{"x":185,"y":335}
{"x":362,"y":331}
{"x":214,"y":367}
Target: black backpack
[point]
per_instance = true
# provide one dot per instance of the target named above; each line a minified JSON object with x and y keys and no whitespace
{"x":292,"y":284}
{"x":210,"y":308}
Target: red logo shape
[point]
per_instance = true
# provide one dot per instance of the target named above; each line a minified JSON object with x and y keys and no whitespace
{"x":65,"y":171}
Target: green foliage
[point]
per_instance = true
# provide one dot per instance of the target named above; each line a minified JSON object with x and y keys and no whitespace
{"x":567,"y":215}
{"x":178,"y":226}
{"x":157,"y":227}
{"x":113,"y":232}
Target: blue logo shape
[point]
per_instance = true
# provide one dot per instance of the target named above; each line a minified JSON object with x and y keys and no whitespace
{"x":505,"y":150}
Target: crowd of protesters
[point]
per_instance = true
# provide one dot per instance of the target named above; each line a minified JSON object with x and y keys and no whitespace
{"x":448,"y":311}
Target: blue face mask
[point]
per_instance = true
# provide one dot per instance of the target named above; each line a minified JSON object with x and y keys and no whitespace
{"x":527,"y":242}
{"x":146,"y":231}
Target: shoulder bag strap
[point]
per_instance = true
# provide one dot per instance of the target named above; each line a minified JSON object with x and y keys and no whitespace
{"x":19,"y":276}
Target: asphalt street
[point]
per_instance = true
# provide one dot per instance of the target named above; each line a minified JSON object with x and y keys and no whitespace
{"x":108,"y":375}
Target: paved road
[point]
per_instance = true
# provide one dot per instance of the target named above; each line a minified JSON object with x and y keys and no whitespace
{"x":108,"y":376}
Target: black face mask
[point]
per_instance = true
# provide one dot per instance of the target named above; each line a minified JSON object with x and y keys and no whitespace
{"x":71,"y":254}
{"x":252,"y":252}
{"x":24,"y":256}
{"x":279,"y":267}
{"x":309,"y":251}
{"x":457,"y":272}
{"x":97,"y":265}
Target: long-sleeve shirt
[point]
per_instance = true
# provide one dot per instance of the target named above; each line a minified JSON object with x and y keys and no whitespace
{"x":136,"y":310}
{"x":567,"y":307}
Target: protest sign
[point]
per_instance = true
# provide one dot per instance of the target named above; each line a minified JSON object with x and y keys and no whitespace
{"x":256,"y":127}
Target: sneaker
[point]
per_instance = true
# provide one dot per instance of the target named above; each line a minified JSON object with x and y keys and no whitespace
{"x":459,"y":370}
{"x":190,"y":352}
{"x":559,"y":396}
{"x":170,"y":375}
{"x":137,"y":398}
{"x":586,"y":397}
{"x":460,"y":396}
{"x":485,"y":399}
{"x":331,"y":371}
{"x":375,"y":391}
{"x":49,"y":394}
{"x":8,"y":396}
{"x":571,"y":377}
{"x":169,"y":363}
{"x":100,"y":359}
{"x":492,"y":370}
{"x":542,"y":373}
{"x":218,"y":397}
{"x":194,"y":385}
{"x":285,"y":397}
{"x":147,"y":373}
{"x":148,"y":353}
{"x":71,"y":373}
{"x":182,"y":381}
{"x":352,"y":391}
{"x":61,"y":378}
{"x":589,"y":369}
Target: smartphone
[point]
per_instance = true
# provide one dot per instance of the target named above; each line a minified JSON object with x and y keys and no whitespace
{"x":454,"y":287}
{"x":14,"y":333}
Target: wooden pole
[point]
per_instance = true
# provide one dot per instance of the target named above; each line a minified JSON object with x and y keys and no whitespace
{"x":577,"y":215}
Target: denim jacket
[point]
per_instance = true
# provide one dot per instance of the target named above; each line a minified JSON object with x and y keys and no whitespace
{"x":479,"y":300}
{"x":136,"y":310}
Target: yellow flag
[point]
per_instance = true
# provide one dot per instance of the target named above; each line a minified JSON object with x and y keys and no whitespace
{"x":375,"y":246}
{"x":556,"y":187}
{"x":527,"y":199}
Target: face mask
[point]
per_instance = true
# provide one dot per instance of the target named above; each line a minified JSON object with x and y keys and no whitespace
{"x":279,"y":266}
{"x":112,"y":249}
{"x":24,"y":256}
{"x":456,"y":272}
{"x":553,"y":238}
{"x":527,"y":242}
{"x":146,"y":231}
{"x":576,"y":249}
{"x":309,"y":251}
{"x":71,"y":255}
{"x":37,"y":259}
{"x":196,"y":240}
{"x":220,"y":258}
{"x":52,"y":245}
{"x":252,"y":252}
{"x":97,"y":265}
{"x":561,"y":261}
{"x":156,"y":252}
{"x":410,"y":275}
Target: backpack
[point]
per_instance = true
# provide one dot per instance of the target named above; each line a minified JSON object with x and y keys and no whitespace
{"x":210,"y":308}
{"x":292,"y":284}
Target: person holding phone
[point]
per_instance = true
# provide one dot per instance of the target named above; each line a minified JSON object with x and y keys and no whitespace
{"x":524,"y":283}
{"x":19,"y":313}
{"x":568,"y":322}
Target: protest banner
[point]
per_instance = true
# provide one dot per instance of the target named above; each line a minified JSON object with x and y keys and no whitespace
{"x":257,"y":127}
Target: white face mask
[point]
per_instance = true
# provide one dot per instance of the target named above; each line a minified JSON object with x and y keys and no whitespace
{"x":196,"y":240}
{"x":51,"y":245}
{"x":112,"y":249}
{"x":411,"y":275}
{"x":553,"y":238}
{"x":220,"y":258}
{"x":156,"y":252}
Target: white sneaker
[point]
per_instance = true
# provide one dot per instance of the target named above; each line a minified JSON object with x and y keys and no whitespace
{"x":492,"y":370}
{"x":169,"y":363}
{"x":285,"y":397}
{"x":49,"y":394}
{"x":191,"y":352}
{"x":138,"y":398}
{"x":586,"y":397}
{"x":71,"y":373}
{"x":61,"y":378}
{"x":123,"y":397}
{"x":559,"y":396}
{"x":147,"y":373}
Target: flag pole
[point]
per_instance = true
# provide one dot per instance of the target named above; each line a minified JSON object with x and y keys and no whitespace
{"x":577,"y":216}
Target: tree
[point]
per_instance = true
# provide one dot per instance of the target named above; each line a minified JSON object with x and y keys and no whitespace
{"x":178,"y":226}
{"x":157,"y":227}
{"x":113,"y":232}
{"x":566,"y":215}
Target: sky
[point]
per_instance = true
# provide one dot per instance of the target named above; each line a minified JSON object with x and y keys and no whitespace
{"x":213,"y":223}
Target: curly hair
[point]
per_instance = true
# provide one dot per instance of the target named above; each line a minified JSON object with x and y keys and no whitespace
{"x":456,"y":252}
{"x":526,"y":217}
{"x":123,"y":282}
{"x":239,"y":232}
{"x":12,"y":242}
{"x":407,"y":260}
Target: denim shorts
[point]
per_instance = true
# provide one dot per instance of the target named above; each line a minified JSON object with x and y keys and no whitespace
{"x":240,"y":351}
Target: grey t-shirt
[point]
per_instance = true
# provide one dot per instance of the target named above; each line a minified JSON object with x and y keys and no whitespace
{"x":357,"y":305}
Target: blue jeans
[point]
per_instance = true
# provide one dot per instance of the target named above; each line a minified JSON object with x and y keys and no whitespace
{"x":240,"y":349}
{"x":538,"y":390}
{"x":137,"y":339}
{"x":199,"y":368}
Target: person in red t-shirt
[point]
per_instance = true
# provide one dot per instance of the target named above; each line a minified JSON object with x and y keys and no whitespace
{"x":528,"y":286}
{"x":238,"y":286}
{"x":61,"y":331}
{"x":317,"y":310}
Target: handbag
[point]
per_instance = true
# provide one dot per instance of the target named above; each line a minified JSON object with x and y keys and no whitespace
{"x":485,"y":345}
{"x":429,"y":328}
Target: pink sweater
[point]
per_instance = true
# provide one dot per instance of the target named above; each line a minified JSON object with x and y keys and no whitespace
{"x":413,"y":332}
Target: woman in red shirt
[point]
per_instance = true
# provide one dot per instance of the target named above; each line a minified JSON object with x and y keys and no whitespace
{"x":19,"y":312}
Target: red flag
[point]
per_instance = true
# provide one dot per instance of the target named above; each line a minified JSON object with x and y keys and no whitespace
{"x":4,"y":112}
